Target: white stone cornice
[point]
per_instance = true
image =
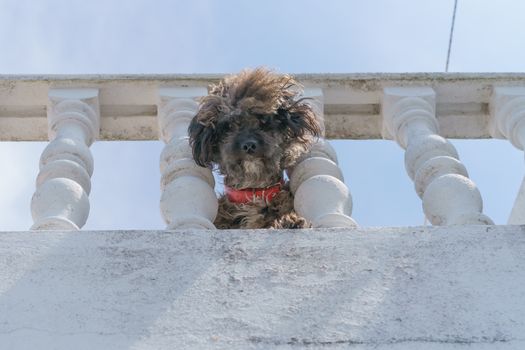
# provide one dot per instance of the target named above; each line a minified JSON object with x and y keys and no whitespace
{"x":66,"y":165}
{"x":449,"y":196}
{"x":352,"y":102}
{"x":188,"y":198}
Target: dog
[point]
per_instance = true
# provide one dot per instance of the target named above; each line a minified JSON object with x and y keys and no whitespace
{"x":252,"y":126}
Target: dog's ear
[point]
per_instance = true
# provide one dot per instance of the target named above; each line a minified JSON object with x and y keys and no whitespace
{"x":201,"y":139}
{"x":202,"y":131}
{"x":300,"y":120}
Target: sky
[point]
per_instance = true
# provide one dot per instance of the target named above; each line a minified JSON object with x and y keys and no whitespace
{"x":290,"y":36}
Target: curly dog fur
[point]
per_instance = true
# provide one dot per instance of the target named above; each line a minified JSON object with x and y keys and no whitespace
{"x":252,"y":126}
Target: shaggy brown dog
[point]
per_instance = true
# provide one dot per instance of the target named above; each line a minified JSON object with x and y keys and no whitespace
{"x":253,"y":126}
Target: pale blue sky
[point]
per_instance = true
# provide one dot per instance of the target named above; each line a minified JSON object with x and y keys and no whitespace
{"x":324,"y":36}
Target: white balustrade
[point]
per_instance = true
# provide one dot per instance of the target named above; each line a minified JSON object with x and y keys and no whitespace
{"x":508,"y":122}
{"x":406,"y":114}
{"x":317,"y":182}
{"x":449,"y":196}
{"x":188,"y":197}
{"x":66,"y":165}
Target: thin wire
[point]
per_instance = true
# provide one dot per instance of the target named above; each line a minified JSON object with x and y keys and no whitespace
{"x":451,"y":33}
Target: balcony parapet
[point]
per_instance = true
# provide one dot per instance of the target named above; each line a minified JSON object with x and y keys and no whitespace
{"x":378,"y":288}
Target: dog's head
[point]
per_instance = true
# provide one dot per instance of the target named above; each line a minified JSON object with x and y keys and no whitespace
{"x":253,"y":125}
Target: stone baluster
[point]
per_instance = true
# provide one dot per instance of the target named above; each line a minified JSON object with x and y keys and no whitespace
{"x":449,"y":196}
{"x":317,"y":182}
{"x":508,"y":122}
{"x":66,"y":165}
{"x":188,"y":197}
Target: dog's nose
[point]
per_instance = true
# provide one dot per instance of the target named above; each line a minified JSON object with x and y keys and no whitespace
{"x":249,"y":146}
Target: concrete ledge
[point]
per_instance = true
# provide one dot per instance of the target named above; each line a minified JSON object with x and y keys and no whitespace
{"x":389,"y":288}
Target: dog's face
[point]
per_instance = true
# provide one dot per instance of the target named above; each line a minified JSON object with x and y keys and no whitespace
{"x":252,"y":126}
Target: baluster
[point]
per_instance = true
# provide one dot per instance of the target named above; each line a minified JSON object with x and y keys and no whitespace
{"x":317,"y":182}
{"x":508,"y":122}
{"x":63,"y":184}
{"x":188,"y":197}
{"x":449,"y":196}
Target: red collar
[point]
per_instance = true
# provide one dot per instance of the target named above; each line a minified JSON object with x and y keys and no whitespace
{"x":248,"y":195}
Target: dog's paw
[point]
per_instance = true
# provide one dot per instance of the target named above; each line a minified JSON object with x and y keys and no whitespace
{"x":291,"y":222}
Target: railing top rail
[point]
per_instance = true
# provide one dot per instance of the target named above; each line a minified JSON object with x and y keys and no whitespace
{"x":352,"y":102}
{"x":208,"y":77}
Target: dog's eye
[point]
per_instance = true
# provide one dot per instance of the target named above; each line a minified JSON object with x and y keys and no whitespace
{"x":223,"y":128}
{"x":265,"y":121}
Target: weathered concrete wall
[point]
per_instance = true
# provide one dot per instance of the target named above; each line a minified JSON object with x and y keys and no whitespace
{"x":391,"y":288}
